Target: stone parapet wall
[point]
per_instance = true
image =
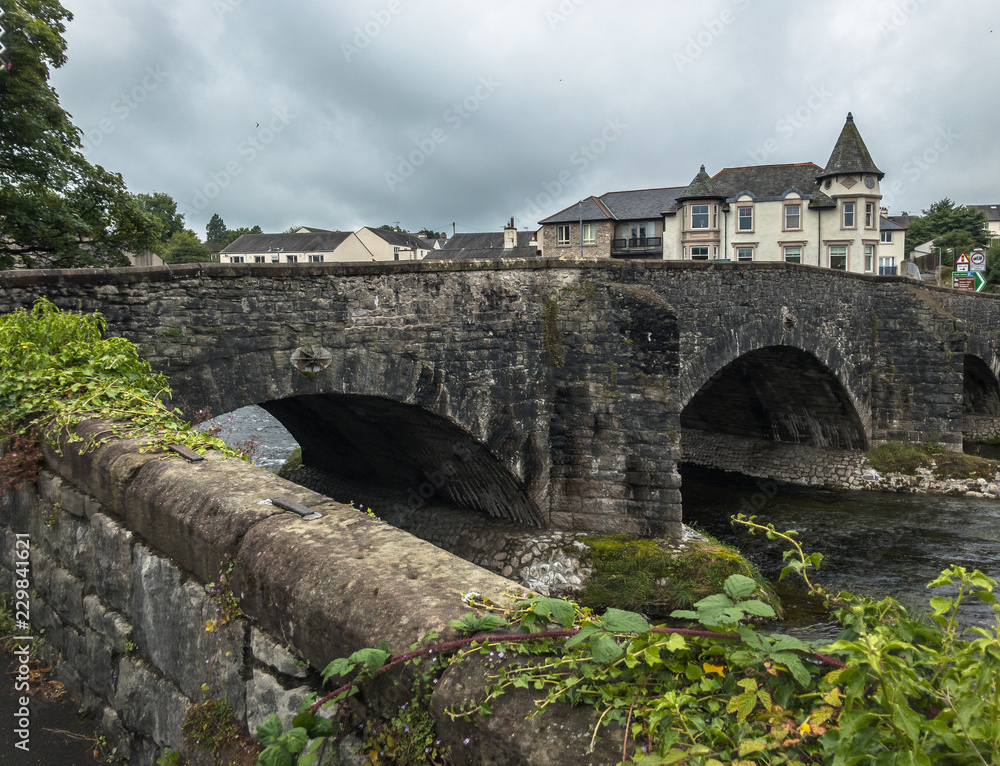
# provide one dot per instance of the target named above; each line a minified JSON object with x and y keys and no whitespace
{"x":793,"y":463}
{"x":129,"y":550}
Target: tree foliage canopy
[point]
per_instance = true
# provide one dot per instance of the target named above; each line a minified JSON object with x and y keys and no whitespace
{"x":56,"y":209}
{"x":185,"y":247}
{"x":164,"y":208}
{"x":950,"y":226}
{"x":216,"y":229}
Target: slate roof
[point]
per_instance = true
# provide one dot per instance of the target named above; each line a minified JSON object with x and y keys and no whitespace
{"x":702,"y":187}
{"x":767,"y":181}
{"x":402,"y":239}
{"x":637,"y":205}
{"x":992,"y":211}
{"x":324,"y":242}
{"x":887,"y":224}
{"x":483,"y":253}
{"x":484,"y":240}
{"x":850,"y":155}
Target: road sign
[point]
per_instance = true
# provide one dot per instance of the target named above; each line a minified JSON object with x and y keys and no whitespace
{"x":964,"y":280}
{"x":978,"y":260}
{"x":962,"y":263}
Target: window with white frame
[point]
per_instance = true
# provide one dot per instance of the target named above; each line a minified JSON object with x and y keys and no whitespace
{"x":699,"y":252}
{"x":395,"y":253}
{"x":699,"y":216}
{"x":849,"y":215}
{"x":590,"y":234}
{"x":838,"y":257}
{"x":886,"y":266}
{"x":291,"y":259}
{"x":236,"y":259}
{"x":744,"y":253}
{"x":562,"y":234}
{"x":792,"y":253}
{"x":744,"y":218}
{"x":793,"y":217}
{"x":886,"y":237}
{"x":259,"y":259}
{"x":275,"y":258}
{"x":869,"y":257}
{"x":869,"y":215}
{"x":315,"y":258}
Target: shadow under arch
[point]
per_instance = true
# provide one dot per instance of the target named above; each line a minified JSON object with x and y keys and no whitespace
{"x":781,"y":394}
{"x":981,"y":392}
{"x":404,"y":449}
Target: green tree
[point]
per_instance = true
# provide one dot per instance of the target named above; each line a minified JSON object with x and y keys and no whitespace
{"x":164,"y":207}
{"x":58,"y":209}
{"x":993,"y":267}
{"x":292,"y":229}
{"x":185,"y":247}
{"x":216,"y":229}
{"x":431,"y":234}
{"x":954,"y":228}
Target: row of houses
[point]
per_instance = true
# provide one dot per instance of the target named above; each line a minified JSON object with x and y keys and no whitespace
{"x":829,"y":216}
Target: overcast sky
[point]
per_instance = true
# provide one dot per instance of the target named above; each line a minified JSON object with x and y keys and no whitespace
{"x":425,"y":113}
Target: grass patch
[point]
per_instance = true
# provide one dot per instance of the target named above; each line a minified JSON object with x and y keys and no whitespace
{"x":903,"y":458}
{"x":638,"y":574}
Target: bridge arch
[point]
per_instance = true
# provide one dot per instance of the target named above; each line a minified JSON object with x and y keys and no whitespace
{"x":781,"y":394}
{"x":980,"y":400}
{"x":390,"y":419}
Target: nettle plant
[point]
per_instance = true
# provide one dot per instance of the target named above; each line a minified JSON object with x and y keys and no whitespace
{"x":57,"y":369}
{"x":894,"y":688}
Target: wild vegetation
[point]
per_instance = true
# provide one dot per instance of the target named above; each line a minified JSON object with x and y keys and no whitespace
{"x":905,"y":458}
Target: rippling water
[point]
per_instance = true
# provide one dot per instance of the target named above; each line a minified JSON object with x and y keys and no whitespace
{"x":875,"y":543}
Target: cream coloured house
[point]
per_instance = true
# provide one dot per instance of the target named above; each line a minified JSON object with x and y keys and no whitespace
{"x":304,"y":246}
{"x":798,"y":213}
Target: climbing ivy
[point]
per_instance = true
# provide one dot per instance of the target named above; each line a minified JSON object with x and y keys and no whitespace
{"x":57,"y":369}
{"x":894,"y":688}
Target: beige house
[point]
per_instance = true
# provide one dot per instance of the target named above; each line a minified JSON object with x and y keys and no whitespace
{"x":304,"y":246}
{"x":393,"y":245}
{"x":798,"y":213}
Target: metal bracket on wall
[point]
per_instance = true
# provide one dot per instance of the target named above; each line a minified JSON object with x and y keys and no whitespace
{"x":287,"y":504}
{"x":186,"y":452}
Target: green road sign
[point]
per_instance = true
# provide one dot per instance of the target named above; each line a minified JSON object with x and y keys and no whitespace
{"x":965,"y":280}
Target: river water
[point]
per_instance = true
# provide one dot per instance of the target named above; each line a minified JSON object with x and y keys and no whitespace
{"x":874,"y":543}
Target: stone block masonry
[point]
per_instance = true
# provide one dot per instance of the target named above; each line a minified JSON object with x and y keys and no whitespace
{"x":566,"y":384}
{"x":128,"y":551}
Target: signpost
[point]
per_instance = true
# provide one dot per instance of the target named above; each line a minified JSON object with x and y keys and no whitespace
{"x":962,"y":263}
{"x":964,"y":280}
{"x":978,"y":260}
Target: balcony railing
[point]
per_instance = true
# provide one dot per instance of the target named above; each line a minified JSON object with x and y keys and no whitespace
{"x":636,"y":245}
{"x":887,"y":271}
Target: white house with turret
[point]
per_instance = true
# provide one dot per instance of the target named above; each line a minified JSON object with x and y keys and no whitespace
{"x":798,"y":213}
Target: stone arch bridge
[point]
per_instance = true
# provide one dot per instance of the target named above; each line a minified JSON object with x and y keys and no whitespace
{"x":559,"y":393}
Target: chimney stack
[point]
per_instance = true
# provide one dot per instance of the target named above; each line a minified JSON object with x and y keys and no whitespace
{"x":509,"y":236}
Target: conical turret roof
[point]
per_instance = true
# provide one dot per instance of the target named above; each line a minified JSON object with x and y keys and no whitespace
{"x":702,"y":187}
{"x":850,"y":155}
